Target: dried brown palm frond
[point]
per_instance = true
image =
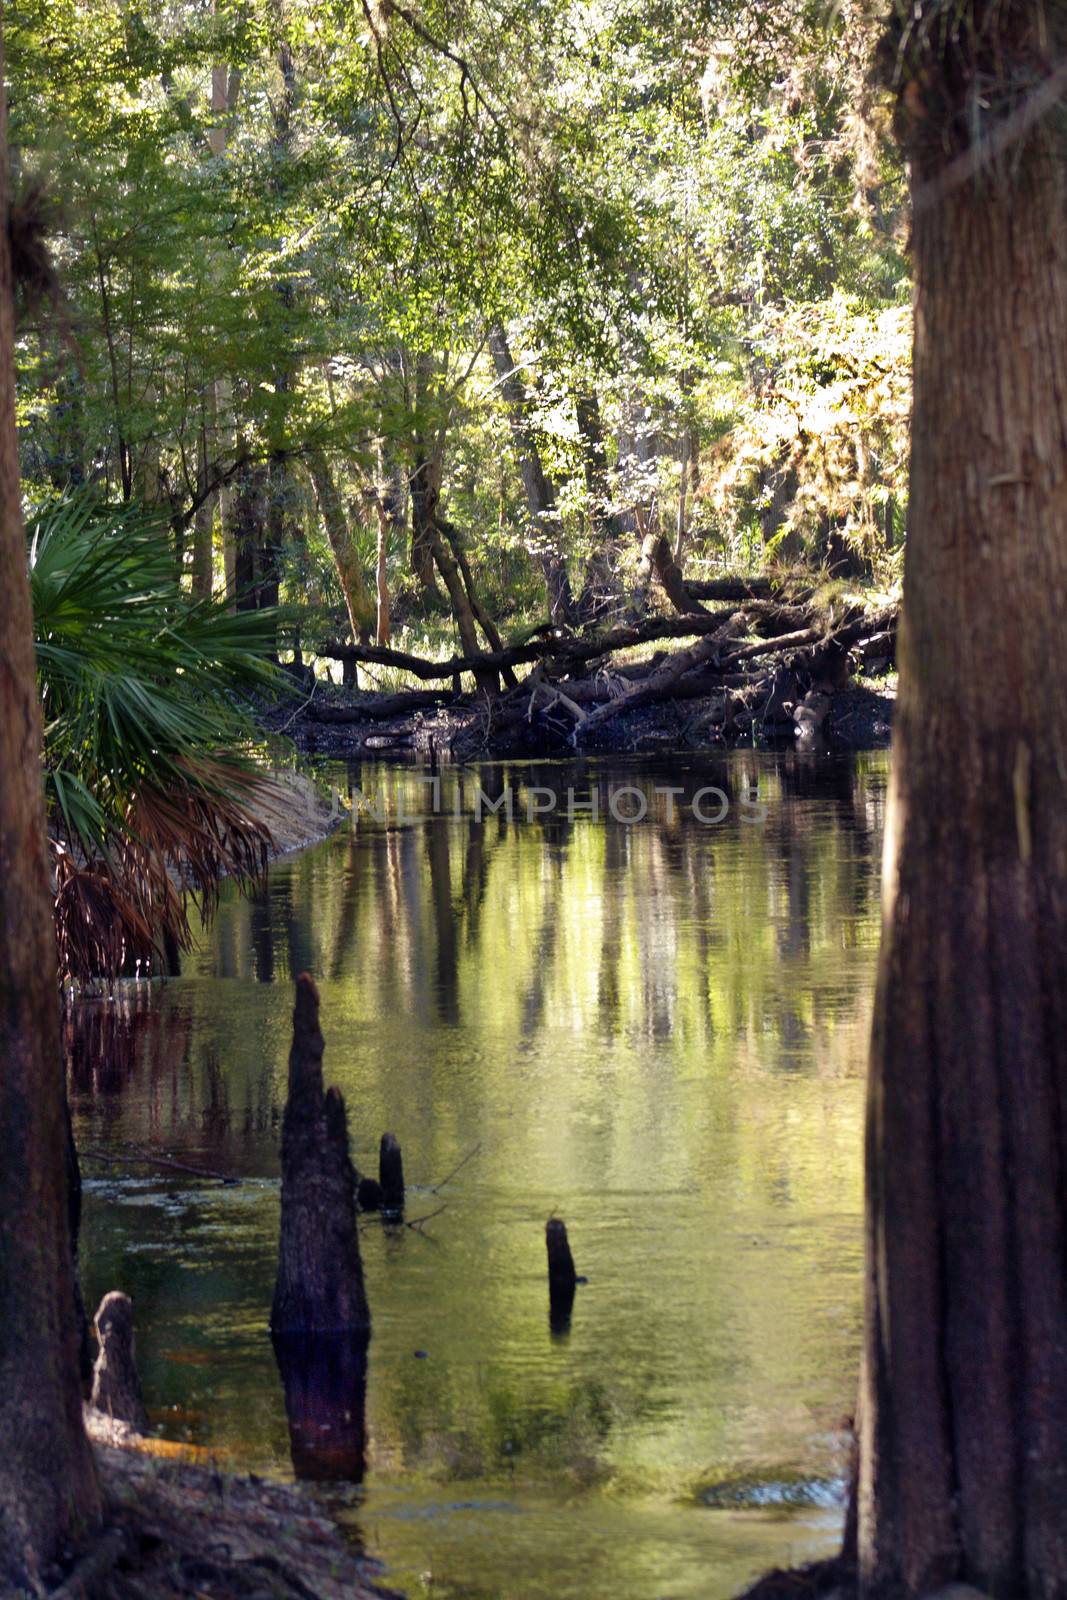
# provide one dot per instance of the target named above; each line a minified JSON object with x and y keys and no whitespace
{"x":129,"y":904}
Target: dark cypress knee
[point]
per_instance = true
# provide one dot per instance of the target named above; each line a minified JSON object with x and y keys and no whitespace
{"x":319,"y":1288}
{"x":391,"y":1173}
{"x":562,"y":1278}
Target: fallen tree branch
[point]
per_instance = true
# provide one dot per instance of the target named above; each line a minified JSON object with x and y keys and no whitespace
{"x":737,"y":589}
{"x":394,"y":705}
{"x":660,"y":684}
{"x":144,"y":1158}
{"x":437,"y":1187}
{"x":571,"y":649}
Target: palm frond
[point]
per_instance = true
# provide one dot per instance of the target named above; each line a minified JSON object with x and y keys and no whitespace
{"x":152,"y":786}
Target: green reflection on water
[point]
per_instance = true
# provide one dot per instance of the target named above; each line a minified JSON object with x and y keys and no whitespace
{"x":657,"y":1031}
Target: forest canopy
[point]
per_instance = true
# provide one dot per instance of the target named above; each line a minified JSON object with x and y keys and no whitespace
{"x":578,"y":290}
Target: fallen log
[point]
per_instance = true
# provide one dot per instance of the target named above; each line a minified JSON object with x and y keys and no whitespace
{"x":567,"y":679}
{"x":736,"y":589}
{"x":662,"y":681}
{"x":571,"y":649}
{"x":394,"y":705}
{"x":677,"y":679}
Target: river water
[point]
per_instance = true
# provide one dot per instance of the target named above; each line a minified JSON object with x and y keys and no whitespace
{"x":655,"y":1029}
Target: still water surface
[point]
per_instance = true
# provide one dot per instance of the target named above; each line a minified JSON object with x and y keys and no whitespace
{"x":655,"y":1030}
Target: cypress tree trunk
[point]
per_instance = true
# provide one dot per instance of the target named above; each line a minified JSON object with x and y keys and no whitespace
{"x":963,"y":1406}
{"x":49,"y":1497}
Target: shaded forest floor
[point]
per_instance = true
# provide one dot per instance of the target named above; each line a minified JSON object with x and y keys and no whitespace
{"x":175,"y":1531}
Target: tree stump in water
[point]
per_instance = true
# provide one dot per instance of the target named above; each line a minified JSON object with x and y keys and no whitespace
{"x":369,"y":1194}
{"x":116,"y":1386}
{"x":391,"y":1173}
{"x":562,"y":1278}
{"x":325,"y":1381}
{"x":319,"y":1288}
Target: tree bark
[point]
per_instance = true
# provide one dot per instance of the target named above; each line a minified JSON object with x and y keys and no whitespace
{"x":657,"y":559}
{"x":49,"y":1496}
{"x":359,"y":603}
{"x":249,"y":521}
{"x":963,"y":1404}
{"x":319,"y":1288}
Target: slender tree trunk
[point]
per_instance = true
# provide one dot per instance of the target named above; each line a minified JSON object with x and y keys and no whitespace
{"x":382,"y":628}
{"x":203,"y":522}
{"x":425,"y":479}
{"x":49,"y":1497}
{"x":225,"y":88}
{"x":249,"y":519}
{"x":963,"y":1405}
{"x":359,"y":602}
{"x":540,"y":493}
{"x":609,"y":528}
{"x":462,"y":609}
{"x":389,"y":509}
{"x":425,"y":492}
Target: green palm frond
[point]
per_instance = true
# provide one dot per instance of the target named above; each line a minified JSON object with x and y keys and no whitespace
{"x":151,"y":784}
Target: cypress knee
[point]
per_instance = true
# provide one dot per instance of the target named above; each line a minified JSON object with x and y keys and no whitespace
{"x":562,"y":1278}
{"x":116,"y":1386}
{"x":391,"y":1173}
{"x":319,"y":1287}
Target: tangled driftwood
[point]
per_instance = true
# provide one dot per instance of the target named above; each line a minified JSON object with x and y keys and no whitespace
{"x":768,"y":656}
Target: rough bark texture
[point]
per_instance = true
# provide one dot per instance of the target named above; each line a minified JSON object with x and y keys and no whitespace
{"x":319,"y":1288}
{"x":963,"y":1406}
{"x":657,"y":559}
{"x":49,"y":1498}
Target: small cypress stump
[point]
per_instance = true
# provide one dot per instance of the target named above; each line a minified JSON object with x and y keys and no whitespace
{"x":116,"y":1386}
{"x":319,"y":1288}
{"x":562,"y":1278}
{"x":391,"y":1173}
{"x":369,"y":1194}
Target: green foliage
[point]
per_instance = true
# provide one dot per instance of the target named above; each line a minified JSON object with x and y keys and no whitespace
{"x":828,"y":422}
{"x":288,"y":227}
{"x":149,"y":793}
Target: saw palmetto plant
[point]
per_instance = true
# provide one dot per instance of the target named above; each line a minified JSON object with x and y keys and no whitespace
{"x":152,"y":788}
